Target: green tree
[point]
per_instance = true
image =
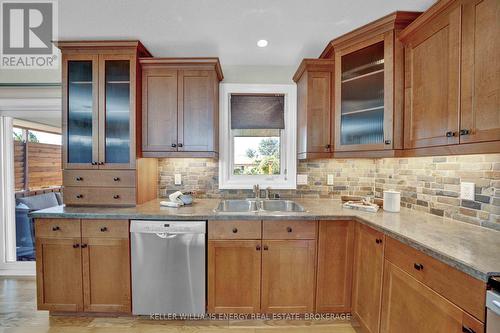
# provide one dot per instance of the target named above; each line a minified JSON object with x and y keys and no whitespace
{"x":32,"y":137}
{"x":251,"y":153}
{"x":270,"y":165}
{"x":269,"y":147}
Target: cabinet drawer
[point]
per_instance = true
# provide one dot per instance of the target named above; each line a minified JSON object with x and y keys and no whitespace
{"x":289,"y":229}
{"x":99,"y":178}
{"x":234,"y":229}
{"x":458,"y":287}
{"x":57,"y":228}
{"x":105,"y":228}
{"x":99,"y":196}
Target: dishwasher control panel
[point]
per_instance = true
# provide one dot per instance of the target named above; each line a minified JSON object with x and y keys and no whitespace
{"x":171,"y":227}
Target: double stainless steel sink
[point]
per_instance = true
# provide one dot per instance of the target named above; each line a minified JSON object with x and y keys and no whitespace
{"x":258,"y":205}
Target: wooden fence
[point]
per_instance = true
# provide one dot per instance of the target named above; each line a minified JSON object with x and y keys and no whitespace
{"x":36,"y":165}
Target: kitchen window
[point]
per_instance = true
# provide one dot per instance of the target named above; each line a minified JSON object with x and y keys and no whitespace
{"x":257,"y":131}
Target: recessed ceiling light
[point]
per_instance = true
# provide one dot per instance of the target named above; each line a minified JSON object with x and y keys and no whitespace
{"x":262,"y":43}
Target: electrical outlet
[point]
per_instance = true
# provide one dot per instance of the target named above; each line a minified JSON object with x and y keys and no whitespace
{"x":301,"y":179}
{"x":329,"y":180}
{"x":177,"y":179}
{"x":467,"y":191}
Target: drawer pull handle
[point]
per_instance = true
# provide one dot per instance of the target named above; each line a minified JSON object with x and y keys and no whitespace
{"x":104,"y":229}
{"x":466,"y":329}
{"x":418,"y":267}
{"x":79,"y":179}
{"x":266,"y":248}
{"x":79,"y":196}
{"x":116,"y":179}
{"x":55,"y":228}
{"x":116,"y":196}
{"x":75,"y":246}
{"x":289,"y":229}
{"x":235,"y":230}
{"x":257,"y":247}
{"x":84,"y":246}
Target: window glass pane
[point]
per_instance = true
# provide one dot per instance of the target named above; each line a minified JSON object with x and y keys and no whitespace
{"x":18,"y":134}
{"x":257,"y":152}
{"x":44,"y":137}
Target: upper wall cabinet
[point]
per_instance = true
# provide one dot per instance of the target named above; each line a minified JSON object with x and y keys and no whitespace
{"x":314,"y":79}
{"x":99,"y":103}
{"x":452,"y":78}
{"x":180,"y":105}
{"x":368,"y":94}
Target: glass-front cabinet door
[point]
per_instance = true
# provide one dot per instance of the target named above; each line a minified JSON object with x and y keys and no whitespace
{"x":80,"y":111}
{"x":116,"y":117}
{"x":363,"y":94}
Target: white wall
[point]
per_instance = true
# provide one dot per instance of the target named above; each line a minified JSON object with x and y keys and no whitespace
{"x":258,"y":74}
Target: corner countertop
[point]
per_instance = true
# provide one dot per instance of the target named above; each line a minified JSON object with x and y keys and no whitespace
{"x":469,"y":248}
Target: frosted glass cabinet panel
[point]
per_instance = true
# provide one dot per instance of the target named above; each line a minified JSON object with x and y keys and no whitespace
{"x":117,"y":122}
{"x":362,"y":96}
{"x":80,"y":112}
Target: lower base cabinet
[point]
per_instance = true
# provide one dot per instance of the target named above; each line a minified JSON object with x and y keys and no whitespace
{"x":234,"y":274}
{"x":288,"y":273}
{"x":410,"y":306}
{"x":83,"y":265}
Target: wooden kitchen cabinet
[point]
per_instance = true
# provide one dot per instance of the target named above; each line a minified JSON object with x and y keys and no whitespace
{"x":59,"y":274}
{"x":335,"y":265}
{"x":410,"y":306}
{"x":367,"y":281}
{"x":368,"y":91}
{"x":234,"y":275}
{"x":452,"y":49}
{"x":83,"y":265}
{"x":288,"y":274}
{"x":180,"y":107}
{"x":101,"y":119}
{"x":315,"y":125}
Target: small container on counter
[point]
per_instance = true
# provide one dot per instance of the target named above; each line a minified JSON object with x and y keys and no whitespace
{"x":392,"y":201}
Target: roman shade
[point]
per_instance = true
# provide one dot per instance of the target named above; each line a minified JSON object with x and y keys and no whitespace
{"x":257,"y":111}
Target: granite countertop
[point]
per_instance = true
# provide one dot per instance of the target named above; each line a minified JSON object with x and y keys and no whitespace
{"x":472,"y":249}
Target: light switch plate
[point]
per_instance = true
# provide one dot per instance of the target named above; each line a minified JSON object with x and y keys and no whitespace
{"x":329,"y":180}
{"x":301,"y":179}
{"x":467,"y":191}
{"x":177,"y":179}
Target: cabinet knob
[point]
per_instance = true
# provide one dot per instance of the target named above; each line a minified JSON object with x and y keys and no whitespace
{"x":104,"y":229}
{"x":418,"y":267}
{"x":116,"y":196}
{"x":79,"y":196}
{"x":235,"y":230}
{"x":56,"y":228}
{"x":84,"y":246}
{"x":464,"y":132}
{"x":94,"y":163}
{"x":101,"y":163}
{"x":378,"y":241}
{"x":328,"y":146}
{"x":174,"y":145}
{"x":180,"y":145}
{"x":116,"y":179}
{"x":79,"y":179}
{"x":266,"y":248}
{"x":289,"y":229}
{"x":257,"y":247}
{"x":450,"y":134}
{"x":387,"y":142}
{"x":75,"y":246}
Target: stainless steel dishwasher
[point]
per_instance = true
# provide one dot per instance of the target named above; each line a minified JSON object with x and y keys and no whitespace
{"x":168,"y":267}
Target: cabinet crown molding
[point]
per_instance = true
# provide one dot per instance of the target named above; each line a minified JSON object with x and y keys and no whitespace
{"x":77,"y":45}
{"x":394,"y":21}
{"x":176,"y":62}
{"x":320,"y":65}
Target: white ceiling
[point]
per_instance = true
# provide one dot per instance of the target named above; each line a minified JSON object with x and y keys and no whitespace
{"x":228,"y":29}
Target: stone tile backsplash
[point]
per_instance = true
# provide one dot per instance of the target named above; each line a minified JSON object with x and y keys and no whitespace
{"x":430,"y":184}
